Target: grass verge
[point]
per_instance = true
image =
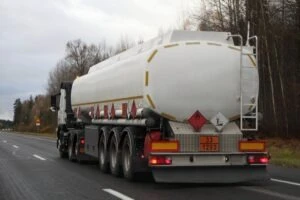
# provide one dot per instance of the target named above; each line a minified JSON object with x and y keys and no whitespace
{"x":284,"y":152}
{"x":49,"y":135}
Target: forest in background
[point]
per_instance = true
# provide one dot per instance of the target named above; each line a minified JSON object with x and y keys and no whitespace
{"x":275,"y":22}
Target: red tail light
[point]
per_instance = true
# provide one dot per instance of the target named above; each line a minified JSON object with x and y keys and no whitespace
{"x":160,"y":160}
{"x":82,"y":140}
{"x":258,"y":159}
{"x":264,"y":160}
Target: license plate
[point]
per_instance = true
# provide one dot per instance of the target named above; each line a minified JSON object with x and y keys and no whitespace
{"x":209,"y":143}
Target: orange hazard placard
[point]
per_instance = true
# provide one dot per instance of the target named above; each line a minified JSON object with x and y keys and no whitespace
{"x":209,"y":143}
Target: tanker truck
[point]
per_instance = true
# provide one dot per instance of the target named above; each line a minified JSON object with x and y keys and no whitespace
{"x":177,"y":106}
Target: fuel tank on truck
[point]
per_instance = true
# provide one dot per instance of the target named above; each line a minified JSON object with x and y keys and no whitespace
{"x":174,"y":75}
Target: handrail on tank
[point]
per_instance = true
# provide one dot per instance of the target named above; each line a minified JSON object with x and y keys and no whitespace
{"x":236,"y":35}
{"x":256,"y":45}
{"x":256,"y":99}
{"x":241,"y":78}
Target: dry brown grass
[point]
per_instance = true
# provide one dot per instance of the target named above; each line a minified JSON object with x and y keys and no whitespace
{"x":284,"y":152}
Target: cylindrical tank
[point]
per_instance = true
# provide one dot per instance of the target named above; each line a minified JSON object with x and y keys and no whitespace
{"x":174,"y":75}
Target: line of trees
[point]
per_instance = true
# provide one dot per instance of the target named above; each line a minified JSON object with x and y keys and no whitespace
{"x":275,"y":22}
{"x":6,"y":124}
{"x":27,"y":112}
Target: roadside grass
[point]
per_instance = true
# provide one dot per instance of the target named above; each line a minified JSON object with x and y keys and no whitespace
{"x":284,"y":152}
{"x":49,"y":135}
{"x":46,"y":131}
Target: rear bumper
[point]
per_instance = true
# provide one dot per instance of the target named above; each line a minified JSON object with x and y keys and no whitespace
{"x":220,"y":174}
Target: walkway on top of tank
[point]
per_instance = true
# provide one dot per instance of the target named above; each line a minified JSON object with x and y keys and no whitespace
{"x":170,"y":37}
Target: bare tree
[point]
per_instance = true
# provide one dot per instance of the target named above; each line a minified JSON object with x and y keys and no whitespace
{"x":123,"y":44}
{"x":79,"y":56}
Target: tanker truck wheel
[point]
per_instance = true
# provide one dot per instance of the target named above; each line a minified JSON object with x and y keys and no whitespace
{"x":114,"y":157}
{"x":128,"y":151}
{"x":77,"y":153}
{"x":71,"y":150}
{"x":103,"y":160}
{"x":62,"y":154}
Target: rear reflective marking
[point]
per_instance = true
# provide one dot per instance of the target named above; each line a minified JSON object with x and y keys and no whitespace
{"x":214,"y":44}
{"x":234,"y":48}
{"x":192,"y":43}
{"x":252,"y":60}
{"x":146,"y":78}
{"x":152,"y":55}
{"x":171,"y":45}
{"x":150,"y":101}
{"x":165,"y":146}
{"x":168,"y":116}
{"x":253,"y":146}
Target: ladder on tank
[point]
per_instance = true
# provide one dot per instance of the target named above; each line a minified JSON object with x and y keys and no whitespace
{"x":252,"y":115}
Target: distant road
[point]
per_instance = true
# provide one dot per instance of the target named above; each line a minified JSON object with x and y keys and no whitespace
{"x":30,"y":169}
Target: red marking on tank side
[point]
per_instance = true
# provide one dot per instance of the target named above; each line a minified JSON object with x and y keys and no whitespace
{"x":133,"y":110}
{"x":105,"y":111}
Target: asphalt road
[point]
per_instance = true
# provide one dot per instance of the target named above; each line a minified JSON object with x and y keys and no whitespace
{"x":30,"y":168}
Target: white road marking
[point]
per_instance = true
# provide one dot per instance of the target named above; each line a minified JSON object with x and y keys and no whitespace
{"x":286,"y":182}
{"x":4,"y":141}
{"x":270,"y":193}
{"x":15,"y":146}
{"x":117,"y":194}
{"x":39,"y":157}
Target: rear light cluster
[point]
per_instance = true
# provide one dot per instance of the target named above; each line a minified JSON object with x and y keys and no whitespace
{"x":81,"y":140}
{"x":258,"y":159}
{"x":160,"y":160}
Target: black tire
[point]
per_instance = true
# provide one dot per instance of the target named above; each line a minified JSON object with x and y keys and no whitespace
{"x":114,"y":158}
{"x":128,"y":152}
{"x":77,"y":153}
{"x":71,"y":148}
{"x":103,"y":155}
{"x":62,"y":154}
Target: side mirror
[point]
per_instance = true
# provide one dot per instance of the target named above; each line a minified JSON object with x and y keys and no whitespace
{"x":53,"y":101}
{"x":53,"y":109}
{"x":54,"y":106}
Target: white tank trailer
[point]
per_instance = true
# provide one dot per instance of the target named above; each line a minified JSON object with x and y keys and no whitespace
{"x":169,"y":106}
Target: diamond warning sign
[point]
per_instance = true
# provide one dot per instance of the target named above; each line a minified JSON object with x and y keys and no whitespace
{"x":219,"y":121}
{"x":197,"y":120}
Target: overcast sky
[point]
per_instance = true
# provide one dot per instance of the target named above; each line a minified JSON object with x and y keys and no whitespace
{"x":33,"y":34}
